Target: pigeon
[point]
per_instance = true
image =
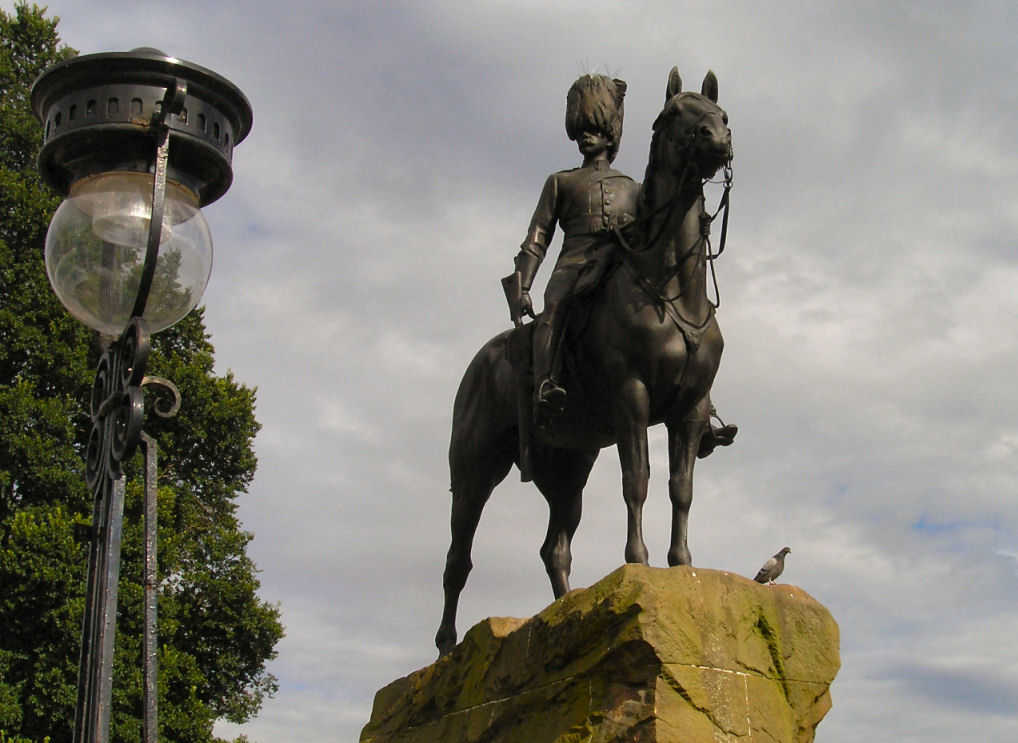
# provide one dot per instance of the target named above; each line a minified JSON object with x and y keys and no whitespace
{"x":772,"y":568}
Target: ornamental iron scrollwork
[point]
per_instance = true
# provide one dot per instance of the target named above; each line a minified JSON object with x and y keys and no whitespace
{"x":167,"y":404}
{"x":117,"y":408}
{"x":117,"y":404}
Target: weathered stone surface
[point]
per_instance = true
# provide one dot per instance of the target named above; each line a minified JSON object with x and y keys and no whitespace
{"x":648,"y":655}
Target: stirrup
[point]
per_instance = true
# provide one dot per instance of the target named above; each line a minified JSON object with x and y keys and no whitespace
{"x":549,"y":392}
{"x":714,"y":437}
{"x":548,"y":402}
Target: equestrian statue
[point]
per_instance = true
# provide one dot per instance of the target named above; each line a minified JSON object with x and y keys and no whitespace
{"x":628,"y":336}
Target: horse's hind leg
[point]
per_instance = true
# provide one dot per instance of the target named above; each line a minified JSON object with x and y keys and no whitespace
{"x":561,"y":475}
{"x":473,"y":478}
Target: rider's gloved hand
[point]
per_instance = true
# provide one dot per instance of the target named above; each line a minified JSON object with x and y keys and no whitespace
{"x":526,"y":306}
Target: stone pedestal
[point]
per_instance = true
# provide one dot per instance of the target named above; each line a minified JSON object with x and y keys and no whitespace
{"x":648,"y":655}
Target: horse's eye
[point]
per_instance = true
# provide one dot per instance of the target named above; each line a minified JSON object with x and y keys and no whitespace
{"x":724,"y":118}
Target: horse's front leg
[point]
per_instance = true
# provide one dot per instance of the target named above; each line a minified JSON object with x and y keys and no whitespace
{"x":631,"y":419}
{"x":683,"y":443}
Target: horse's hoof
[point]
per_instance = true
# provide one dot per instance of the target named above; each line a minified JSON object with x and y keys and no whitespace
{"x":679,"y":557}
{"x":445,"y":641}
{"x":638,"y":556}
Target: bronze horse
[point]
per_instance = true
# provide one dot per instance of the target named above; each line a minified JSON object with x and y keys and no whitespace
{"x":647,"y":352}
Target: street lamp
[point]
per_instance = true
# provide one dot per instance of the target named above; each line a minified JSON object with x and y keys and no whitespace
{"x":137,"y":142}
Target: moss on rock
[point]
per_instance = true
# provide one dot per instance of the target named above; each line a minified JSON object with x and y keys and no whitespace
{"x":647,"y":655}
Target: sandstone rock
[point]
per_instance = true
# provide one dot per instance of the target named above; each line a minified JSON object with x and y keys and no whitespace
{"x":648,"y":655}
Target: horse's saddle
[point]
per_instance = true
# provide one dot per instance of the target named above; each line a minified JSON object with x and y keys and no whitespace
{"x":595,"y":270}
{"x":519,"y":345}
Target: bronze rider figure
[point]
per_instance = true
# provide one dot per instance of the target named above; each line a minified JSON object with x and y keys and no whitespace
{"x":588,"y":203}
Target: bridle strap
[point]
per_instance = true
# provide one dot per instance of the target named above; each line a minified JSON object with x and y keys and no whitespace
{"x":705,"y":226}
{"x":723,"y":204}
{"x":706,"y":220}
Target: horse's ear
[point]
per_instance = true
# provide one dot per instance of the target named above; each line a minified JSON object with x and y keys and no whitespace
{"x":710,"y":86}
{"x":674,"y":84}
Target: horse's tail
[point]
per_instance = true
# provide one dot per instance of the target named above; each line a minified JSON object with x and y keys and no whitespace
{"x":481,"y":453}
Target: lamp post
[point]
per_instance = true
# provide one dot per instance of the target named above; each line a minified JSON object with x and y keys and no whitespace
{"x":137,"y":142}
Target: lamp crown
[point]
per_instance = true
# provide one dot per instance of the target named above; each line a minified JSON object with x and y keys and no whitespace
{"x":100,"y":113}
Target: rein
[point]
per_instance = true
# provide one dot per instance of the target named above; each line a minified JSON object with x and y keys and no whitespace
{"x":706,"y":220}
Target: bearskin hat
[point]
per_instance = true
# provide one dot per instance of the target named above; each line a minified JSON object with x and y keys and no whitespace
{"x":595,"y":102}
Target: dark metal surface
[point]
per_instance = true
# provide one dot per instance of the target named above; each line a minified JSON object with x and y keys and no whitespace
{"x":117,"y":412}
{"x":99,"y":112}
{"x":166,"y":406}
{"x":644,"y":351}
{"x":155,"y":227}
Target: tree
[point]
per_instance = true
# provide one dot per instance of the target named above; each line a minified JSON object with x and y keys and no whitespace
{"x":216,"y":635}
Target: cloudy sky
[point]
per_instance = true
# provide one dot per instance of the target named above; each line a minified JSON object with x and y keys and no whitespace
{"x":869,"y":313}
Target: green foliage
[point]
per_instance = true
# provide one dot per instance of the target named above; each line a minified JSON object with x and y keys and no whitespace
{"x":42,"y":570}
{"x":4,"y":738}
{"x":44,"y":354}
{"x":215,"y":634}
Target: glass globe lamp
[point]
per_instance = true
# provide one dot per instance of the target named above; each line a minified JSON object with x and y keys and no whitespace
{"x":96,"y":247}
{"x":114,"y":123}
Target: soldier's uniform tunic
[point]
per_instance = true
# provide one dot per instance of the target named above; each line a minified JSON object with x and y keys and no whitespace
{"x":587,"y":203}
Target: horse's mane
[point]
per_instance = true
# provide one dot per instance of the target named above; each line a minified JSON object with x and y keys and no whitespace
{"x":647,"y":202}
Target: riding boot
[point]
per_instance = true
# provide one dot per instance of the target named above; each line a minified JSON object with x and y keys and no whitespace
{"x":549,"y":395}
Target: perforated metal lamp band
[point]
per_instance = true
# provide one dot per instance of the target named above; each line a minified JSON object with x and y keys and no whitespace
{"x":138,"y":142}
{"x":100,"y":112}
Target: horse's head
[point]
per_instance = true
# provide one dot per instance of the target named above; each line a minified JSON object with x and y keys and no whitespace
{"x":692,"y":130}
